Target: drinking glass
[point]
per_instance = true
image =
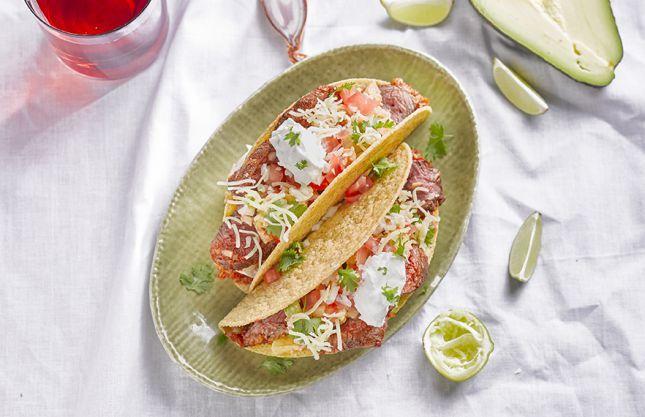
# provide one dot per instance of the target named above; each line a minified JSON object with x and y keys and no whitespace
{"x":108,"y":39}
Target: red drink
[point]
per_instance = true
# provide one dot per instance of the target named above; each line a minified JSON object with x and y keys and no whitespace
{"x":103,"y":38}
{"x":90,"y":17}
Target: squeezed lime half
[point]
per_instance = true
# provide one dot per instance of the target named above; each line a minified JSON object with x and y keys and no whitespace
{"x":517,"y":91}
{"x":457,"y":344}
{"x":418,"y":12}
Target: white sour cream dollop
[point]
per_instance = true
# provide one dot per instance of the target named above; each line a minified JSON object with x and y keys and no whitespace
{"x":383,"y":270}
{"x":291,"y":156}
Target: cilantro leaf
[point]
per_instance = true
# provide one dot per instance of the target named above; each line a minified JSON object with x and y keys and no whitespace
{"x":221,"y":339}
{"x":400,"y":248}
{"x":436,"y":147}
{"x":390,"y":294}
{"x":395,"y":209}
{"x":358,"y":128}
{"x":275,"y":229}
{"x":388,"y":124}
{"x":382,"y":270}
{"x":345,"y":86}
{"x":382,"y":167}
{"x":307,"y":326}
{"x":302,"y":164}
{"x":430,"y":236}
{"x":293,"y":138}
{"x":291,"y":257}
{"x":276,"y":366}
{"x":348,"y":279}
{"x":199,"y":280}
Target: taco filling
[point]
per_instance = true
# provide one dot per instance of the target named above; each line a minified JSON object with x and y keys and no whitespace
{"x":314,"y":140}
{"x":351,"y":307}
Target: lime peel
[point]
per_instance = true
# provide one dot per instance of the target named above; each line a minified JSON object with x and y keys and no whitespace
{"x":518,"y":91}
{"x":418,"y":12}
{"x":457,"y":344}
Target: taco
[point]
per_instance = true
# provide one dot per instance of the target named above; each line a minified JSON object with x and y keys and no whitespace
{"x":302,"y":164}
{"x":353,"y":272}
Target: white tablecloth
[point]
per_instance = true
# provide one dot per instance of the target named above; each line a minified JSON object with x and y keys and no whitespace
{"x":87,"y":169}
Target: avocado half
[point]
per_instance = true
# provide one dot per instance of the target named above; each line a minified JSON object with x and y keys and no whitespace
{"x":578,"y":37}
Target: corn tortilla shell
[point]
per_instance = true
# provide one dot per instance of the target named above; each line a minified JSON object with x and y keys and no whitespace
{"x":284,"y":347}
{"x":336,"y":189}
{"x":337,"y":239}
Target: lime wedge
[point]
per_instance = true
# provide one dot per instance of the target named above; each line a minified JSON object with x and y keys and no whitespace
{"x":517,"y":91}
{"x":418,"y":12}
{"x":457,"y":344}
{"x":525,"y":249}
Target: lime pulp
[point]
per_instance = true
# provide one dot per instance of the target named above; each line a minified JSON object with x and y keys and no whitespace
{"x":457,"y":344}
{"x":518,"y":91}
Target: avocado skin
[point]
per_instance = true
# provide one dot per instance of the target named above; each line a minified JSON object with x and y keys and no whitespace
{"x":490,"y":21}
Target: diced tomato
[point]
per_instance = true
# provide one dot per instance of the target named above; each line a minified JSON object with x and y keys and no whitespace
{"x":343,"y":134}
{"x":333,"y":308}
{"x":312,"y":298}
{"x":276,"y":173}
{"x":372,"y":245}
{"x":362,"y":255}
{"x":362,"y":184}
{"x":272,"y":275}
{"x":389,"y":248}
{"x":346,"y":94}
{"x":361,"y":102}
{"x":320,"y":187}
{"x":330,"y":144}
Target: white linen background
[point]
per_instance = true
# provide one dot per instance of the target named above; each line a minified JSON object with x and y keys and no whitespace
{"x":87,"y":169}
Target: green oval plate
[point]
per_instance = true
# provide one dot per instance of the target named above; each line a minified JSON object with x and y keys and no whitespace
{"x":186,"y":322}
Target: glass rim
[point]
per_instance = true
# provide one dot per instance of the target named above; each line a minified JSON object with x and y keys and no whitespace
{"x":79,"y":35}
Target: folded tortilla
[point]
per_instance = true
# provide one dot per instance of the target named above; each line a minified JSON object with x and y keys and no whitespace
{"x":326,"y":249}
{"x":336,"y":189}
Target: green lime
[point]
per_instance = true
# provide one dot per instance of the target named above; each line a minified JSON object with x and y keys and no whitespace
{"x":525,"y":249}
{"x":457,"y":344}
{"x":418,"y":12}
{"x":517,"y":91}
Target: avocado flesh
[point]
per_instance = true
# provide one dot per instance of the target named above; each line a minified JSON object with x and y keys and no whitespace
{"x":579,"y":37}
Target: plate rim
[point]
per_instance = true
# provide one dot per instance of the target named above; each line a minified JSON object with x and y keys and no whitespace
{"x":153,"y":299}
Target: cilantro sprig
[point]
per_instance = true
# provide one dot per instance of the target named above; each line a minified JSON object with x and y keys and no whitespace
{"x":390,"y":294}
{"x":348,"y":279}
{"x":302,"y":164}
{"x":307,"y":326}
{"x":276,"y":366}
{"x":382,"y":167}
{"x":436,"y":147}
{"x":358,"y":128}
{"x":430,"y":236}
{"x":275,"y":229}
{"x":388,"y":124}
{"x":291,"y":257}
{"x":345,"y":86}
{"x":400,"y":248}
{"x":199,"y":280}
{"x":395,"y":209}
{"x":293,"y":138}
{"x":221,"y":339}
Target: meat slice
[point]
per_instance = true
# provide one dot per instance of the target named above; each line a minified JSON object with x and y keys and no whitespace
{"x":308,"y":101}
{"x":227,"y":257}
{"x":266,"y":330}
{"x":252,"y":166}
{"x":400,"y":99}
{"x":235,"y":276}
{"x":356,"y":333}
{"x":424,"y":175}
{"x":416,"y":267}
